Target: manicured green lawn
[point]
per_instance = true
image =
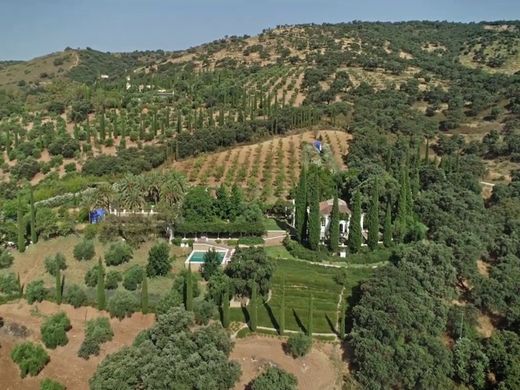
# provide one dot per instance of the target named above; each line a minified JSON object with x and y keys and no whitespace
{"x":271,"y":224}
{"x":278,"y":252}
{"x":301,"y":280}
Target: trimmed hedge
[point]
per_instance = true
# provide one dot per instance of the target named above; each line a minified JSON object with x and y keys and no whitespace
{"x":219,"y":227}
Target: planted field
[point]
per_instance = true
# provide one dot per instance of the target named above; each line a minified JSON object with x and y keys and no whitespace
{"x":301,"y":280}
{"x":272,"y":166}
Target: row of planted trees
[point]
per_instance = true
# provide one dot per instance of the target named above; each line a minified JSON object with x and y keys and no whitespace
{"x":404,"y":227}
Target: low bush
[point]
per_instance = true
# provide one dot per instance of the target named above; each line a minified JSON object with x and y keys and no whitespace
{"x":112,"y":280}
{"x":274,"y":378}
{"x":133,"y":277}
{"x":118,"y":253}
{"x":75,"y":296}
{"x":54,"y":330}
{"x":30,"y":357}
{"x":53,"y":263}
{"x":9,"y":284}
{"x":97,"y":332}
{"x":6,"y":258}
{"x":204,"y":311}
{"x":84,"y":250}
{"x":90,"y":231}
{"x":35,"y":291}
{"x":299,"y":344}
{"x":91,"y":277}
{"x":251,"y":240}
{"x":122,"y":304}
{"x":49,"y":384}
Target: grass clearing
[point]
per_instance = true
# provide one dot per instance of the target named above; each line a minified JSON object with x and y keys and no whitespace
{"x":30,"y":264}
{"x":302,"y":279}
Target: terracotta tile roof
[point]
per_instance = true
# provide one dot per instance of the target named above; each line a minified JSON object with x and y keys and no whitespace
{"x":326,"y":207}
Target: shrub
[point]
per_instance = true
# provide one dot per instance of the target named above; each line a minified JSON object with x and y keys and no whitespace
{"x":97,"y":331}
{"x":274,"y":378}
{"x":159,"y":262}
{"x":299,"y":344}
{"x":84,"y":250}
{"x":75,"y":296}
{"x":35,"y":291}
{"x":133,"y":277}
{"x":112,"y":280}
{"x":9,"y":284}
{"x":122,"y":304}
{"x":53,"y":263}
{"x":91,"y":277}
{"x":6,"y":259}
{"x":172,"y":299}
{"x":49,"y":384}
{"x":204,"y":311}
{"x":31,"y":358}
{"x":90,"y":232}
{"x":251,"y":240}
{"x":54,"y":330}
{"x":118,"y":253}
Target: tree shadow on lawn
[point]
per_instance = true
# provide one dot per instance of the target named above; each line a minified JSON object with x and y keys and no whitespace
{"x":275,"y":323}
{"x":332,"y":325}
{"x":299,"y":322}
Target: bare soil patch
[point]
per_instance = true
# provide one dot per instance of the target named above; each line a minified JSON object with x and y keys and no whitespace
{"x":65,"y":366}
{"x":316,"y":371}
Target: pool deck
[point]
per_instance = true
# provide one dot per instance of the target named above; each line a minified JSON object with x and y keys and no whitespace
{"x":205,"y":247}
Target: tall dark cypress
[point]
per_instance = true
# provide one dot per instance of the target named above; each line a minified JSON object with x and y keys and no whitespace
{"x":21,"y":226}
{"x":300,"y":207}
{"x":354,"y":236}
{"x":281,"y":320}
{"x":252,"y":309}
{"x":314,"y":213}
{"x":373,"y":218}
{"x":334,"y":226}
{"x":58,"y":286}
{"x":225,"y":308}
{"x":188,"y":290}
{"x":34,"y":236}
{"x":144,"y":295}
{"x":100,"y":289}
{"x":387,"y":230}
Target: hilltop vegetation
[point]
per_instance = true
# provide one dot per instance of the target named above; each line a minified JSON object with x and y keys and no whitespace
{"x":412,"y":117}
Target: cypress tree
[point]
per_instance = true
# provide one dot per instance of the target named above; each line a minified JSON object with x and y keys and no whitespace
{"x":225,"y":308}
{"x":179,"y":123}
{"x":373,"y":218}
{"x":342,"y":319}
{"x":387,"y":231}
{"x":144,"y":295}
{"x":100,"y":291}
{"x":354,"y":236}
{"x":281,"y":321}
{"x":188,"y":293}
{"x":58,"y":286}
{"x":34,"y":236}
{"x":403,"y":209}
{"x":314,"y":214}
{"x":310,"y":323}
{"x":252,"y":309}
{"x":300,"y":207}
{"x":427,"y":152}
{"x":334,"y":226}
{"x":21,"y":226}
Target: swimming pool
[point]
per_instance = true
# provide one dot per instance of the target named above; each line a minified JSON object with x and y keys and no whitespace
{"x":197,"y":256}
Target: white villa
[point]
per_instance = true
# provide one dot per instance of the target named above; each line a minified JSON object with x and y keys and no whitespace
{"x":325,"y":216}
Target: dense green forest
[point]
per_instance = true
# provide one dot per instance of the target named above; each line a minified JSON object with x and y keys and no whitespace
{"x":433,"y":109}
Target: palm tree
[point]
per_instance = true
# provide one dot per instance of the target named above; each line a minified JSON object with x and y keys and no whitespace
{"x":103,"y":196}
{"x":173,"y":189}
{"x":131,"y":192}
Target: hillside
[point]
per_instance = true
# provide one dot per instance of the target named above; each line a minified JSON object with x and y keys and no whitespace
{"x":284,"y":79}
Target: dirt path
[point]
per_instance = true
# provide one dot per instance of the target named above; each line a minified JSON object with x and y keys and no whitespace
{"x":316,"y":371}
{"x":65,"y":366}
